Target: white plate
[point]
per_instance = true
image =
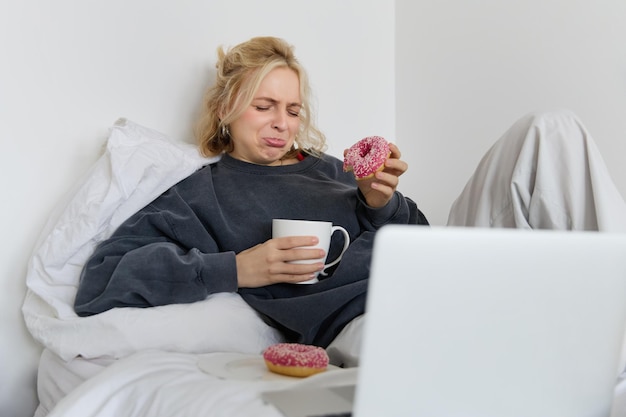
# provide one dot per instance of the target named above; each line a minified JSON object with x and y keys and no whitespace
{"x":240,"y":366}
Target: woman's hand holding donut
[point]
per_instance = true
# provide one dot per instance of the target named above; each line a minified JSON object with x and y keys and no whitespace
{"x":268,"y":263}
{"x":379,"y":189}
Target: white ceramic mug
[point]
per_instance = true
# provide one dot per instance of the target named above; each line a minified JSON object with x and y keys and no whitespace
{"x":323,"y":231}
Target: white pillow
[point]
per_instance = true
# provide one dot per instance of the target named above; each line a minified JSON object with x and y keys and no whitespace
{"x":139,"y":164}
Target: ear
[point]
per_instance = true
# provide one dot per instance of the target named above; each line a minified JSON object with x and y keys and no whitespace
{"x":222,"y":111}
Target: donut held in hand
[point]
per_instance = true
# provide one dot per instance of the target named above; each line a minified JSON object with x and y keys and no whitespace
{"x":366,"y":157}
{"x":295,"y":359}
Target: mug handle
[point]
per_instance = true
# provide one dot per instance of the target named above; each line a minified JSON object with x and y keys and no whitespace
{"x":346,"y":243}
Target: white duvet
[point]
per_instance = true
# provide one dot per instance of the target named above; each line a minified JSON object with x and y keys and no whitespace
{"x":144,"y":362}
{"x":156,"y":383}
{"x":137,"y":166}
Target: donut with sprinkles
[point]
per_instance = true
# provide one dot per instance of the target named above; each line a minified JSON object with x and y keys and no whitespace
{"x":366,"y":157}
{"x":295,"y":359}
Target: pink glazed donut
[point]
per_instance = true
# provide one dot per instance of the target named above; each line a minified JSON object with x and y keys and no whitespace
{"x":295,"y":359}
{"x":366,"y":157}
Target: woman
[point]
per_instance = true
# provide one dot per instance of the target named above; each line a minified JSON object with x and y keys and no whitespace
{"x":212,"y":231}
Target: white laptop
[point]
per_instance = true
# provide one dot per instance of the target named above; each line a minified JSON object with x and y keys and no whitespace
{"x":492,"y":322}
{"x":483,"y":322}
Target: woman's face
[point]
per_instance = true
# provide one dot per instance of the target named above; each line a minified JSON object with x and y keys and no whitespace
{"x":267,"y":128}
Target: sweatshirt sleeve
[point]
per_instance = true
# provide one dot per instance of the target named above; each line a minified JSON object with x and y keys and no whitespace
{"x":399,"y":210}
{"x":145,"y":263}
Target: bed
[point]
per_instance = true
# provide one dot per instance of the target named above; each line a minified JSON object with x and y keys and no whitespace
{"x":167,"y":360}
{"x":134,"y":361}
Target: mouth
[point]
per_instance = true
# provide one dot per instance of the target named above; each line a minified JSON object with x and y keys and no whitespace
{"x":275,"y":142}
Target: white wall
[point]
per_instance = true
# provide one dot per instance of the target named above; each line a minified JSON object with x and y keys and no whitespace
{"x":466,"y":70}
{"x":70,"y":68}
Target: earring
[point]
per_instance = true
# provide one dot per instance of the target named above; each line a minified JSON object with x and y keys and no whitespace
{"x":225,"y":131}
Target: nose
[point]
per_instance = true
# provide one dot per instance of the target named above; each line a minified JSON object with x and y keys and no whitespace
{"x":280,"y":121}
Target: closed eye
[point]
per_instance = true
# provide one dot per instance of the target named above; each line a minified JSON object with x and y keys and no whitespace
{"x":294,"y":110}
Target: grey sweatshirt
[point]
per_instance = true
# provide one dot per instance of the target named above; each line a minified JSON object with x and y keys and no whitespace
{"x":181,"y":247}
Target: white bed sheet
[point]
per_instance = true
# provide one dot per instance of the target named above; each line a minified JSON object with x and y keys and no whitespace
{"x":65,"y":382}
{"x":133,"y":361}
{"x":56,"y":378}
{"x":151,"y":383}
{"x":138,"y":165}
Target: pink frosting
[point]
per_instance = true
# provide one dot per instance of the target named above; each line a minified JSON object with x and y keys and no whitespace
{"x":366,"y":156}
{"x":296,"y":354}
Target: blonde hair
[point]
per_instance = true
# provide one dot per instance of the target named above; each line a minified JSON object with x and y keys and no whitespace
{"x":240,"y":71}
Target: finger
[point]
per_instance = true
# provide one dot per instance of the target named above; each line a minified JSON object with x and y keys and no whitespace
{"x":292,"y":255}
{"x":290,"y":242}
{"x":294,"y":279}
{"x":384,"y":189}
{"x":395,"y":151}
{"x":301,"y":271}
{"x":396,"y":165}
{"x":385,"y":178}
{"x":296,"y":272}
